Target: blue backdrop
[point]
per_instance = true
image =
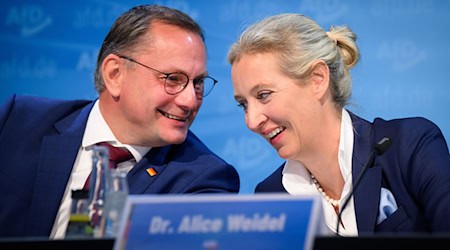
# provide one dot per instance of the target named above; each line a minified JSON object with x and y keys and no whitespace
{"x":49,"y":48}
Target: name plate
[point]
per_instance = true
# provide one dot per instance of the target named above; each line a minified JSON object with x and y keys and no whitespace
{"x":220,"y":221}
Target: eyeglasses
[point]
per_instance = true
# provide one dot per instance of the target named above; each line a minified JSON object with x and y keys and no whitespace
{"x":176,"y":82}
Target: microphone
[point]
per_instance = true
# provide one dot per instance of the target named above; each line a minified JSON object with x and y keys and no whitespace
{"x":378,"y":149}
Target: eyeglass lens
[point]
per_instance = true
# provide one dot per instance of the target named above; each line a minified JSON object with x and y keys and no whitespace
{"x":176,"y":82}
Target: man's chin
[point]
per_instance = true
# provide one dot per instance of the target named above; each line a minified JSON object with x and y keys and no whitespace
{"x":178,"y":139}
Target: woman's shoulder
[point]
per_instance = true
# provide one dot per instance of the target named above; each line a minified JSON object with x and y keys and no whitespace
{"x":407,"y":124}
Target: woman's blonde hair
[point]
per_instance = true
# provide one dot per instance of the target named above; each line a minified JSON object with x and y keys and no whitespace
{"x":298,"y":42}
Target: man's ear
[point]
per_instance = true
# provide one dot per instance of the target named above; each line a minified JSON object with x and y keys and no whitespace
{"x":320,"y":78}
{"x":112,"y":72}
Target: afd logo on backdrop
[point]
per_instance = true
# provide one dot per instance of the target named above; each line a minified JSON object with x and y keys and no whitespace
{"x":183,"y":6}
{"x":30,"y":19}
{"x":322,"y":10}
{"x":25,"y":67}
{"x":87,"y":60}
{"x":246,"y":152}
{"x":401,"y":8}
{"x":325,"y":10}
{"x":98,"y":17}
{"x":238,"y":10}
{"x":403,"y":54}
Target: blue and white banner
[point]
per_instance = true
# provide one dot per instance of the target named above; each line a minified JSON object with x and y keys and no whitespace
{"x":210,"y":222}
{"x":49,"y":48}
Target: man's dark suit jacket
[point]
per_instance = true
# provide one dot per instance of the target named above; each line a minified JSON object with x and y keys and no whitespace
{"x":39,"y":142}
{"x":415,"y":168}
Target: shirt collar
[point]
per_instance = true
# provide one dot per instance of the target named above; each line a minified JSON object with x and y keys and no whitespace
{"x":297,"y":179}
{"x":97,"y":130}
{"x":346,"y":145}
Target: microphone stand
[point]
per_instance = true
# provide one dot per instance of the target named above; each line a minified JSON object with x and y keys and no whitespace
{"x":378,"y":149}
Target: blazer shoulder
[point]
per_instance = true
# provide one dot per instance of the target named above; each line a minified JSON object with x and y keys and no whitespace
{"x":196,"y":144}
{"x":35,"y":106}
{"x":272,"y":183}
{"x":407,"y":126}
{"x":416,"y":132}
{"x":24,"y":113}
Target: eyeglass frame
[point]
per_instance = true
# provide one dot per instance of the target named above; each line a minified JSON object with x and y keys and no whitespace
{"x":183,"y":86}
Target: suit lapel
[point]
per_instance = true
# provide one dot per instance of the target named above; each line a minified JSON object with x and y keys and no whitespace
{"x":57,"y":156}
{"x":367,"y":197}
{"x":367,"y":194}
{"x":139,"y":180}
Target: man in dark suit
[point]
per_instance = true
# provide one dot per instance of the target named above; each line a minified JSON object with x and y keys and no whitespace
{"x":151,"y":78}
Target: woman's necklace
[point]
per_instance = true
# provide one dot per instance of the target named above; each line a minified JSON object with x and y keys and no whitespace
{"x":333,"y":202}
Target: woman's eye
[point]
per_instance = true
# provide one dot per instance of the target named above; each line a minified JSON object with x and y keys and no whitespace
{"x":242,"y":105}
{"x":263,"y":95}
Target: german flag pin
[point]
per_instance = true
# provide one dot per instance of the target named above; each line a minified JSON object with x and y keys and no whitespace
{"x":151,"y":171}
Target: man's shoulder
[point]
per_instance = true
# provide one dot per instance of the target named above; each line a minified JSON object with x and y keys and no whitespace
{"x":38,"y":104}
{"x":193,"y":140}
{"x":23,"y":109}
{"x":197,"y":147}
{"x":47,"y":101}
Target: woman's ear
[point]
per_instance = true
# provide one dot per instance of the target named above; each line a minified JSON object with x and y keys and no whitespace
{"x":320,"y":78}
{"x":112,"y":74}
